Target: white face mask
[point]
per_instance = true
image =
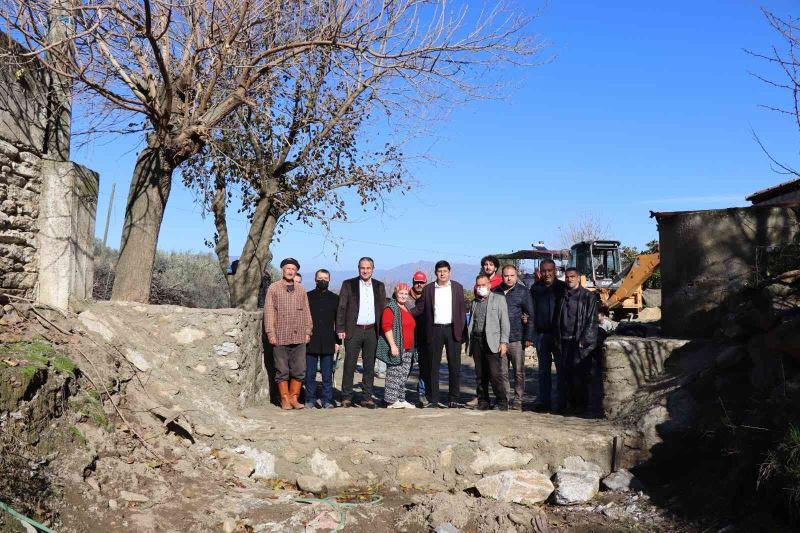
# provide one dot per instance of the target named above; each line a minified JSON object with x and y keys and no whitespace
{"x":483,"y":292}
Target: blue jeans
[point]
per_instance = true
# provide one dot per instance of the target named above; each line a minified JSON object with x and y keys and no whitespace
{"x":544,"y":351}
{"x":326,"y":367}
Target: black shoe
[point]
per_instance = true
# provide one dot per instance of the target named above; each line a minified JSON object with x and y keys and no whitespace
{"x":453,"y":405}
{"x":502,"y":407}
{"x":368,"y":404}
{"x":541,"y":408}
{"x":482,"y":406}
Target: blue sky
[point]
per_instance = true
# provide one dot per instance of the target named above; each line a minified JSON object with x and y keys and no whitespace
{"x":645,"y":106}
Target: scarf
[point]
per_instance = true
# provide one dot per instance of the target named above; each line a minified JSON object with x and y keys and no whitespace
{"x":384,"y":351}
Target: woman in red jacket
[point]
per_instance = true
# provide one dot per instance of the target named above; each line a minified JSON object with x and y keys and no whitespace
{"x":396,"y":347}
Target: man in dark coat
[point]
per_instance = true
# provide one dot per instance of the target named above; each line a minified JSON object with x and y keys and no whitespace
{"x":324,"y":343}
{"x":576,"y":338}
{"x":444,"y":312}
{"x":547,"y":293}
{"x":361,"y":303}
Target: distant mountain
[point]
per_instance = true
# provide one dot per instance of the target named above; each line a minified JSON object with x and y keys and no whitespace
{"x":461,"y":272}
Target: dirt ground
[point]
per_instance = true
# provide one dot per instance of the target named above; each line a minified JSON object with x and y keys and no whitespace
{"x":211,"y":466}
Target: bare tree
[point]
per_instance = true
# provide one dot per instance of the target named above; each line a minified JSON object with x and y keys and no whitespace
{"x":587,"y":227}
{"x":786,"y":57}
{"x":289,"y":156}
{"x":175,"y":70}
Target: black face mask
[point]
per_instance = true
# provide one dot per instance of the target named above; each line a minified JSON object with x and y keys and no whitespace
{"x":322,"y":285}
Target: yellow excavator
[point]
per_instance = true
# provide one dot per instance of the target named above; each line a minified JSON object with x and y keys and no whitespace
{"x":620,"y":291}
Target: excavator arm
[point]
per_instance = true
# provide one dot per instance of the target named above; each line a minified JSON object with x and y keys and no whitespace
{"x":639,"y":272}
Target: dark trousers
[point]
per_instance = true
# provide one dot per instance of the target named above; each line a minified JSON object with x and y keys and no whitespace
{"x":423,"y":368}
{"x":488,"y":369}
{"x":326,"y":368}
{"x":363,"y":342}
{"x":443,"y":338}
{"x":546,"y":356}
{"x":578,"y":375}
{"x":290,"y":362}
{"x":269,"y":364}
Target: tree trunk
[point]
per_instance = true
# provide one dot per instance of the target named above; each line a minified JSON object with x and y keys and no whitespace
{"x":150,"y":188}
{"x":256,"y":255}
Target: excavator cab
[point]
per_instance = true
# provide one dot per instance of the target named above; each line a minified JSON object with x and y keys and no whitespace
{"x":597,"y":262}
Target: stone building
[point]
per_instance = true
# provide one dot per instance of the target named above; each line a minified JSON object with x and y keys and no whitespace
{"x":47,"y":203}
{"x":705,"y":255}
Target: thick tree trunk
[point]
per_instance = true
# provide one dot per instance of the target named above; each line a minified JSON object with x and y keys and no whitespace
{"x":150,"y":188}
{"x":256,"y":255}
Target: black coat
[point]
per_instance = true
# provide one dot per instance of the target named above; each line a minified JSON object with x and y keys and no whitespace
{"x":519,"y":301}
{"x":349,"y":302}
{"x":587,"y":327}
{"x":540,"y":292}
{"x":323,"y":306}
{"x":424,"y":309}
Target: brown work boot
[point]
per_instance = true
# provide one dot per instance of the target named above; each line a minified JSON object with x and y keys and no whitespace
{"x":294,"y":391}
{"x":283,"y":389}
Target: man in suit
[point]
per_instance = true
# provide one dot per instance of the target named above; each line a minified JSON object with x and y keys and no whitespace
{"x":361,"y":303}
{"x":576,"y":338}
{"x":324,"y":343}
{"x":444,"y":312}
{"x":489,"y":330}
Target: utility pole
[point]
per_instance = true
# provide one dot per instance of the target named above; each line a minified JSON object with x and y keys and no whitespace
{"x":108,"y":215}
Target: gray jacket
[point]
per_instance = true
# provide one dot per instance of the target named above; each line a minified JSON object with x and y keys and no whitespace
{"x":497,"y":324}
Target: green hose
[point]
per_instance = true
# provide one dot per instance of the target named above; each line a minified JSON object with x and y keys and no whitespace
{"x":23,"y":518}
{"x":339,"y":506}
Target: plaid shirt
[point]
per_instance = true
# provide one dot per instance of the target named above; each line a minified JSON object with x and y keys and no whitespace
{"x":286,"y":314}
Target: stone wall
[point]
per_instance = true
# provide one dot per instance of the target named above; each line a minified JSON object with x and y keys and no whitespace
{"x":707,"y":255}
{"x":630,"y":364}
{"x":20,"y":188}
{"x":46,"y":247}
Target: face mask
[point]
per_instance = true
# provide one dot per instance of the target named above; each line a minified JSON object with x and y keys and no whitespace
{"x":483,"y":292}
{"x":322,"y":284}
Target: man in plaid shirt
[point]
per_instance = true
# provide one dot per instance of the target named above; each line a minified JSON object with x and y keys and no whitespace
{"x":287,"y":322}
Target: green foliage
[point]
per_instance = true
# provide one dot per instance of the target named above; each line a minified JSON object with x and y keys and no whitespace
{"x":783,"y":463}
{"x":33,"y":351}
{"x":64,"y":365}
{"x":78,"y":435}
{"x":189,"y":279}
{"x":40,"y":353}
{"x":28,"y":371}
{"x":87,"y":405}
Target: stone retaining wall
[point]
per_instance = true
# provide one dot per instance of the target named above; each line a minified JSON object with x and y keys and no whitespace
{"x":630,"y":363}
{"x":20,"y":187}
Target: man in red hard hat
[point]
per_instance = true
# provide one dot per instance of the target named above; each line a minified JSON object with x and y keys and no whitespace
{"x":418,"y":282}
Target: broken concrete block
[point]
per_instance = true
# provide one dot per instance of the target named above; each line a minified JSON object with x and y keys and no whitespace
{"x":526,"y":487}
{"x":311,"y":484}
{"x":619,"y":481}
{"x":493,"y":457}
{"x":573,"y":486}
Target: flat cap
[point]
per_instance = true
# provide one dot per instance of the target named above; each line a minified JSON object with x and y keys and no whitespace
{"x":290,"y":261}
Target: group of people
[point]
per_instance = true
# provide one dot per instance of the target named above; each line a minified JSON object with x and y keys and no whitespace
{"x":418,"y":323}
